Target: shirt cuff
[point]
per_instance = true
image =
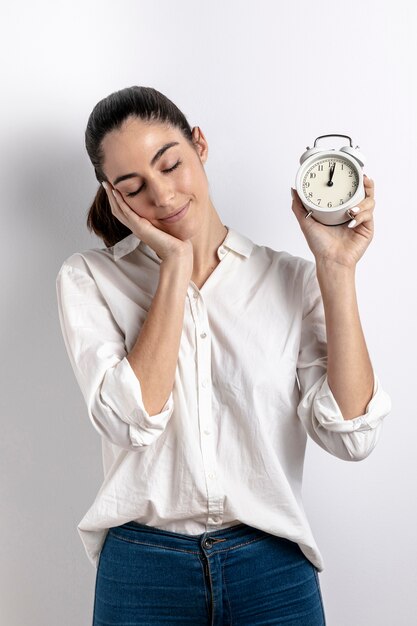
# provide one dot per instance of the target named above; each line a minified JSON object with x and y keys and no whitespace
{"x":329,"y":415}
{"x":121,"y":391}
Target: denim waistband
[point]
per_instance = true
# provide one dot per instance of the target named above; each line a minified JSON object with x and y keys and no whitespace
{"x":213,"y":541}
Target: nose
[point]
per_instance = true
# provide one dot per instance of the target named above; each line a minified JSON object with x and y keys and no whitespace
{"x":162,"y":193}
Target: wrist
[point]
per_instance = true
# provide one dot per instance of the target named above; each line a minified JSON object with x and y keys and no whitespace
{"x":176,"y":270}
{"x":327,"y":268}
{"x":336,"y":281}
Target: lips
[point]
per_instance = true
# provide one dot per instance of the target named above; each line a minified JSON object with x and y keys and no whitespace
{"x":176,"y":212}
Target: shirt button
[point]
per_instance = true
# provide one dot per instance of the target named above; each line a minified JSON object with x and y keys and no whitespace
{"x":211,"y":475}
{"x":195,"y":294}
{"x":206,"y":432}
{"x":203,"y":335}
{"x":204,"y":383}
{"x":222,"y":250}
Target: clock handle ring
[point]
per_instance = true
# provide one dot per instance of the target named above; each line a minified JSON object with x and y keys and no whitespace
{"x":333,"y":135}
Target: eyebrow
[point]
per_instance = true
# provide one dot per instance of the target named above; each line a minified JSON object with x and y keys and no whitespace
{"x":153,"y":161}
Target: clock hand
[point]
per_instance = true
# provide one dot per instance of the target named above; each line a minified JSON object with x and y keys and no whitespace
{"x":330,"y":183}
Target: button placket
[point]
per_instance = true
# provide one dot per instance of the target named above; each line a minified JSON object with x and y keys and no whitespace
{"x":204,"y":399}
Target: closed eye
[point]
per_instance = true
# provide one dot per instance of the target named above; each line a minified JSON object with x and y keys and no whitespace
{"x":171,"y":169}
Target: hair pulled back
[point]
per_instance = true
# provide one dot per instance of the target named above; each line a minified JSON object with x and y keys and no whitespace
{"x":109,"y":114}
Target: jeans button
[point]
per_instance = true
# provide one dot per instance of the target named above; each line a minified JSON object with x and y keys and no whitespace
{"x":207,"y":543}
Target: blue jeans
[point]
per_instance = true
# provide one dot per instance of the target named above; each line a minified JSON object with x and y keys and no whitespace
{"x":239,"y":576}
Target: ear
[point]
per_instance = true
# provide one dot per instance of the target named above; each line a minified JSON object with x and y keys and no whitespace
{"x":200,"y":143}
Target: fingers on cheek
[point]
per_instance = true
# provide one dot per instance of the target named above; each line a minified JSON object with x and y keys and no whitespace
{"x":113,"y":205}
{"x":116,"y":202}
{"x":117,"y":209}
{"x":117,"y":212}
{"x":112,"y":202}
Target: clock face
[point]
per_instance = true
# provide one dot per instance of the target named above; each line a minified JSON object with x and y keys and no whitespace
{"x":330,"y":181}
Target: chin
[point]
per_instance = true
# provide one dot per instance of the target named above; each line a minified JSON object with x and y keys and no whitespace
{"x":182,"y":233}
{"x":184,"y":229}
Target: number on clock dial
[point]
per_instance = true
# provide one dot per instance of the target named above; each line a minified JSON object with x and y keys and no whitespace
{"x":315,"y":181}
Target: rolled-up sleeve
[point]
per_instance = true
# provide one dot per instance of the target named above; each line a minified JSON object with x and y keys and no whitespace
{"x":352,"y":439}
{"x":97,"y":352}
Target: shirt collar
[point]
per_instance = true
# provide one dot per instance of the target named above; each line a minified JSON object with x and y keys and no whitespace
{"x":125,"y":246}
{"x":234,"y":241}
{"x":237,"y":242}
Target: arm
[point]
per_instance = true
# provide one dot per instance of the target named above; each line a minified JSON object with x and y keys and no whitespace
{"x":349,"y":439}
{"x":96,"y":348}
{"x":337,"y":250}
{"x":349,"y":370}
{"x":122,"y":407}
{"x":333,"y":354}
{"x":124,"y":392}
{"x":154,"y":356}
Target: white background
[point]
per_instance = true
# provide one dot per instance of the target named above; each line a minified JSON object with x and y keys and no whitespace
{"x":262,"y":80}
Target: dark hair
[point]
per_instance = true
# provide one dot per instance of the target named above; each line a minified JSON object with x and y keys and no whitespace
{"x":109,"y":114}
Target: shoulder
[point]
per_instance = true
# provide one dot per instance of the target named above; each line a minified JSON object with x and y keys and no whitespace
{"x":96,"y":260}
{"x":86,"y":261}
{"x":289,"y":267}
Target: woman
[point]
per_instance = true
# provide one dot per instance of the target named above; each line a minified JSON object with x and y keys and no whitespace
{"x":205,"y":360}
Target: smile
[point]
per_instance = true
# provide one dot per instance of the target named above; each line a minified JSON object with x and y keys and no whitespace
{"x":177,"y":216}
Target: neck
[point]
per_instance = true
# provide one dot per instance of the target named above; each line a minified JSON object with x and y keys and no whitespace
{"x":206,"y":243}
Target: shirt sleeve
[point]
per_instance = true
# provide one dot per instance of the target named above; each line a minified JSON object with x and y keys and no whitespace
{"x":97,"y":352}
{"x":352,"y":439}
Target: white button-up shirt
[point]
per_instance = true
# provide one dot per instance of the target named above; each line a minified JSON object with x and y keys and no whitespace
{"x":250,"y":384}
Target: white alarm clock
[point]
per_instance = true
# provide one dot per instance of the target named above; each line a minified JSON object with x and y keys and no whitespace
{"x":330,"y":182}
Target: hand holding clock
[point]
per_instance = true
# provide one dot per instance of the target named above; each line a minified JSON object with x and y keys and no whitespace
{"x":337,"y":247}
{"x":343,"y":244}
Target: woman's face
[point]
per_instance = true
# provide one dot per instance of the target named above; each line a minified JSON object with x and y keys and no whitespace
{"x":156,"y":179}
